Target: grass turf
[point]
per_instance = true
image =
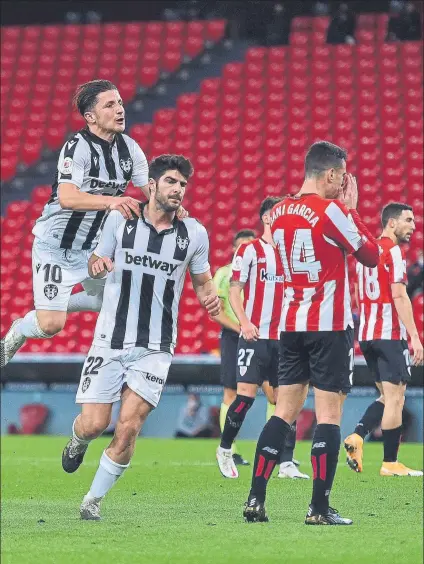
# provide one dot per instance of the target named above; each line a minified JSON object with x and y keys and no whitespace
{"x":173,"y":506}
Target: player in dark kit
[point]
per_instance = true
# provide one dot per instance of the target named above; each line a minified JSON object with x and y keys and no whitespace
{"x":386,"y":318}
{"x":314,"y":231}
{"x":258,"y":273}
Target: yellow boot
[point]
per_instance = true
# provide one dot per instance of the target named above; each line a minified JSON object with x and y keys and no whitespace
{"x":398,"y":469}
{"x":354,"y":449}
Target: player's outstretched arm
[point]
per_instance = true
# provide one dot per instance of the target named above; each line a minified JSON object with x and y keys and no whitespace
{"x":206,"y":292}
{"x":404,"y":309}
{"x":71,"y":198}
{"x":249,"y":331}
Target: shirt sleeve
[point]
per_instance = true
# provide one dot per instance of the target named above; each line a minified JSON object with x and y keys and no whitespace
{"x":108,"y":238}
{"x":340,"y":227}
{"x":199,"y":262}
{"x":140,"y":174}
{"x":242,"y":261}
{"x":72,"y":162}
{"x":397,"y":266}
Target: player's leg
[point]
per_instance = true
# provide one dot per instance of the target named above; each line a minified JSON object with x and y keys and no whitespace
{"x":146,"y":372}
{"x":331,"y":365}
{"x":229,"y":344}
{"x":395,"y":372}
{"x":100,"y":386}
{"x":354,"y":442}
{"x":249,"y":358}
{"x":55,"y":273}
{"x":292,"y":391}
{"x":116,"y":458}
{"x":90,"y":299}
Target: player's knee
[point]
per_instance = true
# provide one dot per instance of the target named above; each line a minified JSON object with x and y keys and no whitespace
{"x":51,"y":326}
{"x":95,"y":426}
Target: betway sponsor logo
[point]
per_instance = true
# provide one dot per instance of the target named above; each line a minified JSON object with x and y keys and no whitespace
{"x":266,"y":277}
{"x":111,"y":184}
{"x":150,"y":262}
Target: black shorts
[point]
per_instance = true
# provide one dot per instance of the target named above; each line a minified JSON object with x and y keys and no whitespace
{"x":229,"y":343}
{"x":258,"y":361}
{"x":322,"y":358}
{"x":387,"y":360}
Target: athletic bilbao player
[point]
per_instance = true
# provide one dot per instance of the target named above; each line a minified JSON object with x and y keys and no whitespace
{"x":386,"y":319}
{"x":314,"y":232}
{"x":258,"y":273}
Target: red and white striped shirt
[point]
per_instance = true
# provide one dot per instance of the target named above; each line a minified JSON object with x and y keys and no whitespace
{"x":258,"y":265}
{"x":314,"y":236}
{"x":378,"y":315}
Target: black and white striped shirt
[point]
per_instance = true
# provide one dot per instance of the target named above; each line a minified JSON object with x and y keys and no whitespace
{"x":97,"y":167}
{"x":142,"y":293}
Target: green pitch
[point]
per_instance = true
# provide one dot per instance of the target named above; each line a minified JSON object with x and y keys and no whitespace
{"x":172,"y":506}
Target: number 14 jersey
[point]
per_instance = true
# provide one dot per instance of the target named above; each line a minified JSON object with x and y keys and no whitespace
{"x":314,"y":237}
{"x":378,"y":315}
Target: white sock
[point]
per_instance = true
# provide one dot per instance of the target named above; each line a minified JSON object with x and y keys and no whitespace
{"x":76,"y":437}
{"x":83,"y":302}
{"x":30,"y":328}
{"x":107,"y":474}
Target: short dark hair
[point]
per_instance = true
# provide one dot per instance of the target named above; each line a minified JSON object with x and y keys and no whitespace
{"x":393,"y":211}
{"x":85,"y":97}
{"x":243,"y":234}
{"x":322,"y":156}
{"x":161,"y":164}
{"x":268,"y":204}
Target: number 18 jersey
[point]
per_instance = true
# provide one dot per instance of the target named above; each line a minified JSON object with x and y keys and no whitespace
{"x":314,"y":237}
{"x":378,"y":315}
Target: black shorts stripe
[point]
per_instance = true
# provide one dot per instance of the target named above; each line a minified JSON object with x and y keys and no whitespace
{"x":118,"y":335}
{"x":71,"y":229}
{"x":94,"y":229}
{"x":167,"y":318}
{"x":145,"y":310}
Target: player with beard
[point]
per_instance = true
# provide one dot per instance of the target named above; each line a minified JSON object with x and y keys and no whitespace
{"x":386,"y":318}
{"x":147,"y":260}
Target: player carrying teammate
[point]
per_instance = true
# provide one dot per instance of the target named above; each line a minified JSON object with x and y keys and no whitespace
{"x":136,"y":330}
{"x":95,"y":166}
{"x":257,"y":269}
{"x":386,"y":319}
{"x":229,"y":338}
{"x":314,"y":231}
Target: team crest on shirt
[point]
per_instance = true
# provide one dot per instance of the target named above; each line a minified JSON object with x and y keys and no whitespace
{"x":182,"y":242}
{"x":86,"y":384}
{"x":50,"y":291}
{"x":237,"y":262}
{"x":126,"y":165}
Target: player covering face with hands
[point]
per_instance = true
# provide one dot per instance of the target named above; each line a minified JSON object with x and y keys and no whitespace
{"x":145,"y":260}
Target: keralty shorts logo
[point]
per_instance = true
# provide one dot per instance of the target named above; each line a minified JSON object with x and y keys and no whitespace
{"x":50,"y":291}
{"x":243,"y":370}
{"x":86,"y":384}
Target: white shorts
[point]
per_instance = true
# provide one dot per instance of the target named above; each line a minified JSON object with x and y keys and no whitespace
{"x":56,"y":271}
{"x":106,"y":370}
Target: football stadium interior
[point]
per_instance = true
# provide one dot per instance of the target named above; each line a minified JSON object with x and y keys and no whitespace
{"x":242,"y":89}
